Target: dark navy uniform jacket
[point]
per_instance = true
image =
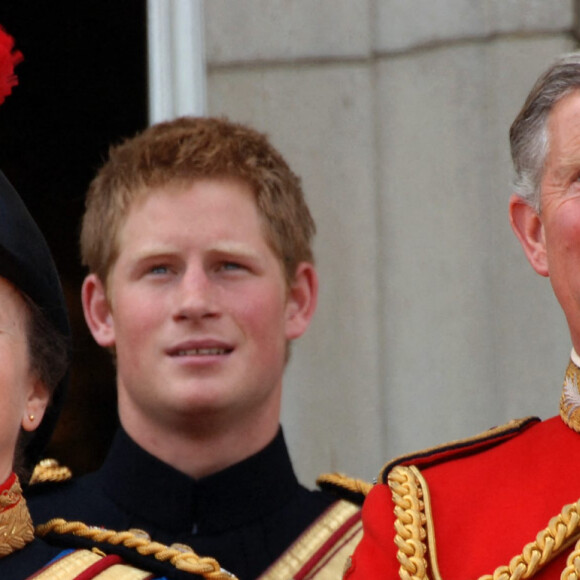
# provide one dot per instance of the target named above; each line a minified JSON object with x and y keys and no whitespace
{"x":25,"y":562}
{"x":244,"y":516}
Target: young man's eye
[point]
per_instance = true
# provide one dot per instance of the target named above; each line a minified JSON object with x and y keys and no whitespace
{"x":231,"y":266}
{"x":159,"y":270}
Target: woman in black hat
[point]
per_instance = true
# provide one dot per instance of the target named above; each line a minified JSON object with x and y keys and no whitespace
{"x":34,"y":336}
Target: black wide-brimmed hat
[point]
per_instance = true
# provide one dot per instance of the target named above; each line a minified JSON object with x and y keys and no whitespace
{"x":26,"y":261}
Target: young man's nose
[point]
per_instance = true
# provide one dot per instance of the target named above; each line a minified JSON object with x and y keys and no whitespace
{"x":195,"y":296}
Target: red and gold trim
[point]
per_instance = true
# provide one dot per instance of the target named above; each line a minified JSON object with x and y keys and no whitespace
{"x":89,"y":565}
{"x":16,"y":528}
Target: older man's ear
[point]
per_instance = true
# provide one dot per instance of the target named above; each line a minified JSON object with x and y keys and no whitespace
{"x":527,"y":225}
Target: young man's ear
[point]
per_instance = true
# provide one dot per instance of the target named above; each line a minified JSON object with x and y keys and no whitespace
{"x":528,"y":227}
{"x":98,"y":311}
{"x":302,"y":299}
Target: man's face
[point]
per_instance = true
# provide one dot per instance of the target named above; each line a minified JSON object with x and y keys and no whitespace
{"x":559,"y":236}
{"x":199,"y":311}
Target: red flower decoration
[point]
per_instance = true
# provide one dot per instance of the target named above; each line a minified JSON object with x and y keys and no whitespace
{"x":9,"y":58}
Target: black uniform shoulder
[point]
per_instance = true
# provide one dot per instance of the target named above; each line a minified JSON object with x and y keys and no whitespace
{"x":74,"y":499}
{"x":28,"y":560}
{"x":39,"y":491}
{"x":46,"y":488}
{"x":49,"y":482}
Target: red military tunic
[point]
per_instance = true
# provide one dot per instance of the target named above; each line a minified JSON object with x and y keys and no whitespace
{"x":468,"y":508}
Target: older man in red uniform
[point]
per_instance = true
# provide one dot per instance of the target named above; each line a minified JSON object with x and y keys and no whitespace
{"x":505,"y":504}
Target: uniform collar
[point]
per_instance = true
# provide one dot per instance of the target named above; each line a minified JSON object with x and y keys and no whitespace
{"x":570,"y":397}
{"x":246,"y":491}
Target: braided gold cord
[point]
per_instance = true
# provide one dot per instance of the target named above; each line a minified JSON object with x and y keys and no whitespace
{"x":412,"y":534}
{"x":572,"y":570}
{"x":561,"y":531}
{"x":345,"y":482}
{"x":410,"y":521}
{"x":182,"y":559}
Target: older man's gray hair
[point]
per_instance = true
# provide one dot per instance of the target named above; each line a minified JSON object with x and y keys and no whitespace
{"x":529,"y":139}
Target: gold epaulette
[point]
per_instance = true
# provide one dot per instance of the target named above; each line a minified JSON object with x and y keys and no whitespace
{"x":461,"y":447}
{"x":50,"y":470}
{"x":346,"y":487}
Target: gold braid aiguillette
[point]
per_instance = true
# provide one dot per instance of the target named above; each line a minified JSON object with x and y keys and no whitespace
{"x":16,"y":529}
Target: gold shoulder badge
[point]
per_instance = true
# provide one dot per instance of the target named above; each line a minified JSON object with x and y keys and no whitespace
{"x":50,"y":470}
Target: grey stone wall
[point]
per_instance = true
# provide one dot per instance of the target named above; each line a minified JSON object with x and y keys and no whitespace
{"x":431,"y":325}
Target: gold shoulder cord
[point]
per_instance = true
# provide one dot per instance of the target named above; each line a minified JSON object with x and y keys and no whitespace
{"x":561,"y":533}
{"x":413,"y":524}
{"x":180,"y":556}
{"x":415,"y":539}
{"x":572,"y":570}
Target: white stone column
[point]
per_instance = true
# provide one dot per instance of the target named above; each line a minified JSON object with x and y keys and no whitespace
{"x":175,"y":34}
